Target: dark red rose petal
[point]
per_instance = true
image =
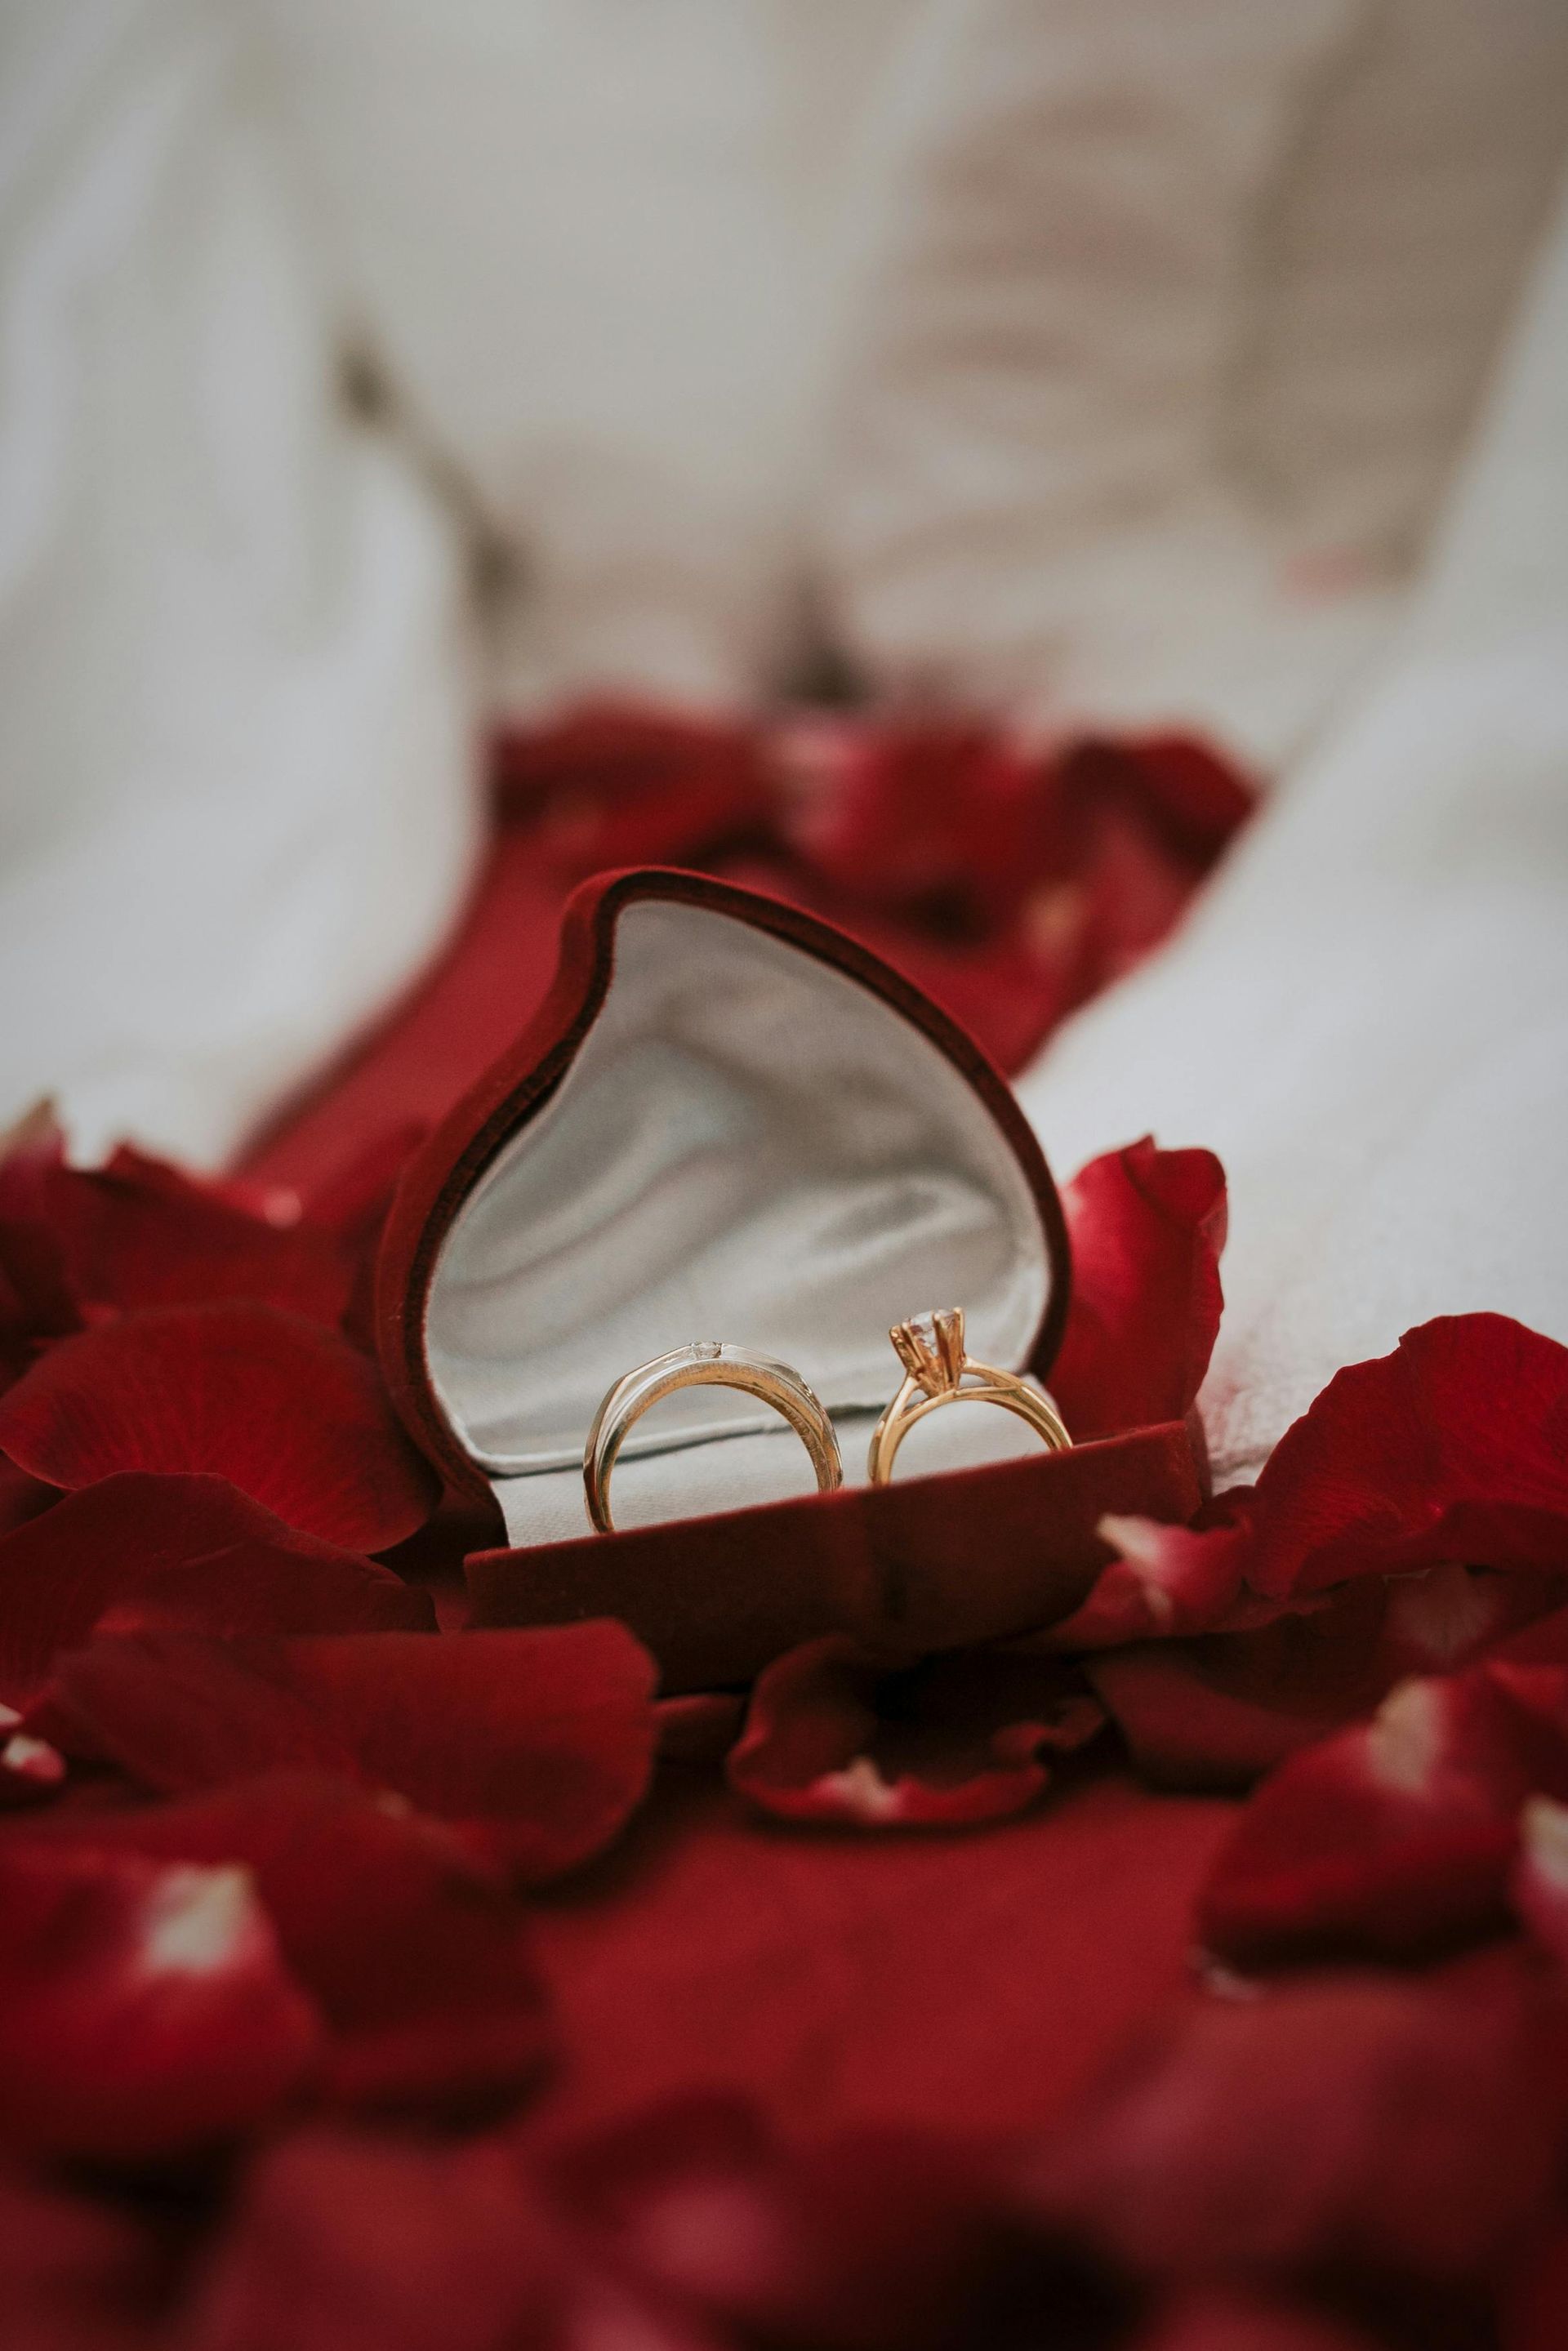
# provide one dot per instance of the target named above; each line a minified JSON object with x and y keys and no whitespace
{"x":1218,"y":2320}
{"x":139,"y":1233}
{"x":1166,"y":1581}
{"x":537,"y":1745}
{"x":140,"y":1551}
{"x":1218,"y":1711}
{"x":31,"y":1771}
{"x":1453,"y":1448}
{"x":1534,"y":2314}
{"x":420,"y":1960}
{"x":916,"y":814}
{"x":22,"y":1498}
{"x":144,"y":2008}
{"x":616,"y":785}
{"x":37,"y":1300}
{"x":699,"y":1729}
{"x":351,"y":1205}
{"x":1146,"y":1227}
{"x":76,"y":2274}
{"x":287,"y":1412}
{"x":1199,"y":800}
{"x":1354,"y":2124}
{"x":342,"y":2241}
{"x":834,"y":1735}
{"x":872,"y":2242}
{"x":1393,"y":1840}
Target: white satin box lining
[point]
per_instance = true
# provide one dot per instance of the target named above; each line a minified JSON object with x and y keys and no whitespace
{"x":748,"y":1146}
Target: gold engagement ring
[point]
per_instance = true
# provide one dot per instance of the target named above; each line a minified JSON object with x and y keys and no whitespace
{"x":703,"y":1363}
{"x":931,"y":1348}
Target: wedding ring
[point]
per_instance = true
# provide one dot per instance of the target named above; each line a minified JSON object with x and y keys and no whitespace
{"x":931,"y":1349}
{"x":705,"y":1362}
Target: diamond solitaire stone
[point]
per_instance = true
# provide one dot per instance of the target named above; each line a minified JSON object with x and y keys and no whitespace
{"x":930,"y":1346}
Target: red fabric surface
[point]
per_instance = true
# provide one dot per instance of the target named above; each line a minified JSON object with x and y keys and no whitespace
{"x":968,"y":1984}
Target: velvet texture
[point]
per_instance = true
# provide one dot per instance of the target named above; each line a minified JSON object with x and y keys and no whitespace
{"x":885,"y":1565}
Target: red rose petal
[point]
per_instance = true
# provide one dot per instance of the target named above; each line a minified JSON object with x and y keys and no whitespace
{"x":31,"y":1771}
{"x":1219,"y":1710}
{"x":1223,"y":2321}
{"x":1539,"y":1883}
{"x":909,"y":814}
{"x":1146,"y":1227}
{"x":1166,"y":1581}
{"x":346,"y":2242}
{"x":699,"y":1729}
{"x":1354,"y":2125}
{"x":76,"y":2274}
{"x":614,"y":785}
{"x":22,"y":1498}
{"x":36,"y":1302}
{"x":178,"y":1552}
{"x":1392,"y":1840}
{"x":872,"y":2242}
{"x":1216,"y":1711}
{"x":1534,"y":2314}
{"x":419,"y":1959}
{"x":835,"y":1735}
{"x":537,"y":1745}
{"x":1453,"y":1448}
{"x":138,"y":1233}
{"x":144,"y":2008}
{"x":287,"y":1412}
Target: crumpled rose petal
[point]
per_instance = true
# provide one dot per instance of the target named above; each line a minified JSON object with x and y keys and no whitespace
{"x":138,"y":1232}
{"x":1453,"y":1448}
{"x":1218,"y":1711}
{"x":288,"y":1412}
{"x":140,"y":1551}
{"x":1166,"y":1581}
{"x":418,"y":1957}
{"x":615,"y":784}
{"x":1351,"y":2124}
{"x":835,"y":1735}
{"x":534,"y":1746}
{"x":919,"y":814}
{"x":144,"y":2007}
{"x":1395,"y":1839}
{"x":342,"y":2241}
{"x":1146,"y":1227}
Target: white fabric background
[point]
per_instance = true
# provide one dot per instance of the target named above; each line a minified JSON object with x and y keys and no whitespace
{"x":234,"y":774}
{"x":1082,"y":362}
{"x":1368,"y":1018}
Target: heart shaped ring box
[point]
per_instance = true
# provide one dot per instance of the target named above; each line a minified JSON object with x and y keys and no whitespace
{"x":729,"y":1121}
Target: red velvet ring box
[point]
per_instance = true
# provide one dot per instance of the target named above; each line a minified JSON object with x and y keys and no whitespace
{"x":729,"y":1121}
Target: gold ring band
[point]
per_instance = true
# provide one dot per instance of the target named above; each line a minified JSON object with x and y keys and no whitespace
{"x":931,"y":1349}
{"x":703,"y":1363}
